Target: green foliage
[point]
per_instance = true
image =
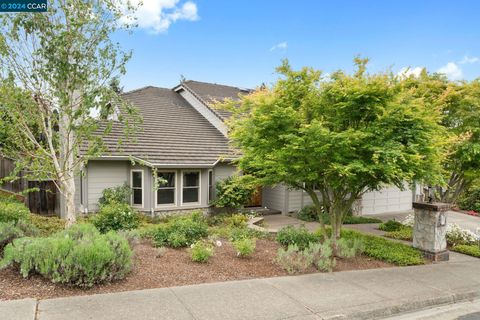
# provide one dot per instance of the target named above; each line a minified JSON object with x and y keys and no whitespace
{"x":47,"y":225}
{"x":471,"y":250}
{"x":308,"y":214}
{"x":116,"y":195}
{"x":10,"y":231}
{"x":300,"y":237}
{"x":181,"y":231}
{"x":349,"y":248}
{"x":245,"y":247}
{"x":116,"y":216}
{"x":12,"y":211}
{"x":236,"y":221}
{"x":78,"y":256}
{"x":235,"y":191}
{"x":293,"y":259}
{"x":470,"y":200}
{"x":339,"y":137}
{"x":322,"y":255}
{"x":404,"y":233}
{"x":390,"y":225}
{"x":382,"y":249}
{"x":349,"y":219}
{"x":201,"y":251}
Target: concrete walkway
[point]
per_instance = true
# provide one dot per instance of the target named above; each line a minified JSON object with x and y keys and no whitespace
{"x":367,"y":294}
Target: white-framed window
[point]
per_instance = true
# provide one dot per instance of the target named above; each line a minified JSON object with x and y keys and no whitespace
{"x":166,"y":194}
{"x":136,"y":182}
{"x":191,"y":187}
{"x":210,"y":186}
{"x":81,"y":187}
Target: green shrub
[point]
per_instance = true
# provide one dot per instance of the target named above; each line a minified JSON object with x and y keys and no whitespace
{"x":308,"y":213}
{"x":235,"y":191}
{"x":120,"y":194}
{"x":236,"y":221}
{"x":10,"y":231}
{"x":78,"y":256}
{"x":321,"y":255}
{"x":12,"y":211}
{"x":300,"y":237}
{"x":405,"y":233}
{"x":349,"y":248}
{"x":386,"y":250}
{"x":47,"y":225}
{"x":181,"y":231}
{"x":293,"y":259}
{"x":245,"y":247}
{"x":390,"y":225}
{"x":349,"y":219}
{"x":471,"y":250}
{"x":201,"y":251}
{"x":116,"y":216}
{"x":470,"y":200}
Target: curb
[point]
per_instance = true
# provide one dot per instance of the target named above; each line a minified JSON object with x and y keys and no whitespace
{"x":405,"y":307}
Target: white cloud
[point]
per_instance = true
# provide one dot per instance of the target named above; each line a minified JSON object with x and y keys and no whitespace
{"x":282,"y":45}
{"x":452,"y":71}
{"x":157,"y":15}
{"x":406,"y":72}
{"x":468,"y":60}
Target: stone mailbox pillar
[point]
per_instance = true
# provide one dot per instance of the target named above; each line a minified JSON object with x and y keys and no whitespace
{"x":430,"y":229}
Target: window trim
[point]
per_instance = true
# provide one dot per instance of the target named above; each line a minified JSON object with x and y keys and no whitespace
{"x":182,"y":204}
{"x":143,"y":188}
{"x":210,"y":171}
{"x":166,"y":205}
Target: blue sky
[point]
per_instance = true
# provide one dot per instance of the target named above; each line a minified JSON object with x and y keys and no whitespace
{"x":241,"y":42}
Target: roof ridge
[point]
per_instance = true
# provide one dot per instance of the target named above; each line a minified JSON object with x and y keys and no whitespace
{"x":218,"y":84}
{"x":146,"y":87}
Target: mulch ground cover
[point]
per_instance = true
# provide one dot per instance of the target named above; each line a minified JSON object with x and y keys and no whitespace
{"x":173,"y":268}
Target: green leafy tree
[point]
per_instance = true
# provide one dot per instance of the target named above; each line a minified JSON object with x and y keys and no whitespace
{"x":342,"y":137}
{"x":56,"y":68}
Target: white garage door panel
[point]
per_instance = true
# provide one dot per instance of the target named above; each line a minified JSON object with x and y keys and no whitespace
{"x":389,"y":199}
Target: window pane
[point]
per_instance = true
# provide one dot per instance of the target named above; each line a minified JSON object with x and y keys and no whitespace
{"x":166,"y":196}
{"x":210,"y":178}
{"x":166,"y":179}
{"x":136,"y":179}
{"x":190,"y":195}
{"x":191,"y":179}
{"x":210,"y":193}
{"x":137,"y":196}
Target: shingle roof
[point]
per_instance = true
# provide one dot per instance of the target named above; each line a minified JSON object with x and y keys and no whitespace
{"x":172,"y":132}
{"x":212,"y":92}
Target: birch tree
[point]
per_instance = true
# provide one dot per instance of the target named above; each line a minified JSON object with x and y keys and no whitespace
{"x":55,"y":73}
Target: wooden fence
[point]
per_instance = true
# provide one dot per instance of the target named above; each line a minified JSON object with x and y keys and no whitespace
{"x":42,"y":201}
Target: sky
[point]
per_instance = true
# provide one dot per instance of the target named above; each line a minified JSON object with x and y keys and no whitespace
{"x":240,"y":42}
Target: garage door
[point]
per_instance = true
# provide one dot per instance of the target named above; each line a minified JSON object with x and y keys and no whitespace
{"x":389,"y":199}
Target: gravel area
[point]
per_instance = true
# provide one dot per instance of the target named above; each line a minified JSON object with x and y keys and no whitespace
{"x":174,"y":268}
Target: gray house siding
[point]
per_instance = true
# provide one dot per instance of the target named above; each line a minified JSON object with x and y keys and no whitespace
{"x":275,"y":198}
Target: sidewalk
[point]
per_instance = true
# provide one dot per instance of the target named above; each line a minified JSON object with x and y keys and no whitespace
{"x":367,"y":294}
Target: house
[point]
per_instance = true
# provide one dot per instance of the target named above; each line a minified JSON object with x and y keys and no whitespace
{"x":184,"y":141}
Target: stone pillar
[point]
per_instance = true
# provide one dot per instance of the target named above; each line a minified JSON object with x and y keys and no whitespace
{"x":430,"y":229}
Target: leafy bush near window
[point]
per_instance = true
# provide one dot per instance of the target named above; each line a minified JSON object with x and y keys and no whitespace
{"x":386,"y":250}
{"x":79,"y":256}
{"x":300,"y":237}
{"x":390,"y":225}
{"x":235,"y":191}
{"x":181,"y":231}
{"x":201,"y":251}
{"x":116,"y":216}
{"x":10,"y":231}
{"x":471,"y":250}
{"x":470,"y":200}
{"x":12,"y":211}
{"x":120,"y":194}
{"x":245,"y":247}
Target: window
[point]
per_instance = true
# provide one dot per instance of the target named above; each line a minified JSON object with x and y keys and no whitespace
{"x":81,"y":187}
{"x":137,"y":188}
{"x":166,"y":188}
{"x":191,"y":187}
{"x":210,"y":186}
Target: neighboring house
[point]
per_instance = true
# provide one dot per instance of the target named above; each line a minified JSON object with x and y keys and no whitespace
{"x":184,"y":140}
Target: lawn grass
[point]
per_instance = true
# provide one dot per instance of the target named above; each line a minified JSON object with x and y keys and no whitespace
{"x":386,"y":250}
